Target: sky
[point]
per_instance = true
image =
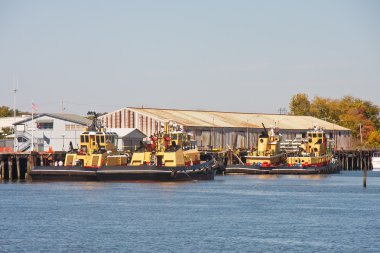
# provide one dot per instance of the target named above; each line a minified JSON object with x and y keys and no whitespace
{"x":242,"y":56}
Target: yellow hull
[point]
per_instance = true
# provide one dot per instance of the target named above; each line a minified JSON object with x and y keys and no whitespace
{"x":309,"y":160}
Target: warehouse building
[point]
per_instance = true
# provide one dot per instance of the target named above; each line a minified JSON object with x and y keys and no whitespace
{"x":214,"y":129}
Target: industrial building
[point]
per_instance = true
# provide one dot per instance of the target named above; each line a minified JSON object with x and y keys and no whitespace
{"x":214,"y":129}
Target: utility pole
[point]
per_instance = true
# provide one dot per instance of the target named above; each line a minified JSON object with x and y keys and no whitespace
{"x":282,"y":111}
{"x":14,"y":117}
{"x":247,"y":136}
{"x":62,"y":107}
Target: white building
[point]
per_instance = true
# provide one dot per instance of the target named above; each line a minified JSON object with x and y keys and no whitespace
{"x":128,"y":138}
{"x":49,"y":131}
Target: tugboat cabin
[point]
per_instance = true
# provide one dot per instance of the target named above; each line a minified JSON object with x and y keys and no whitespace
{"x":97,"y":142}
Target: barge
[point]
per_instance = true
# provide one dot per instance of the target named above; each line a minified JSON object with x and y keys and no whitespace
{"x":168,"y":155}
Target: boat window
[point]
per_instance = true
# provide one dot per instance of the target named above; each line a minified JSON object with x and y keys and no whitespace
{"x":102,"y":139}
{"x":309,"y":135}
{"x":83,"y":148}
{"x":320,"y":135}
{"x":314,"y":135}
{"x":98,"y":139}
{"x":86,"y":138}
{"x":82,"y":138}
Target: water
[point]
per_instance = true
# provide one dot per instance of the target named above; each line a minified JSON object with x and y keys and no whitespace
{"x":231,"y":214}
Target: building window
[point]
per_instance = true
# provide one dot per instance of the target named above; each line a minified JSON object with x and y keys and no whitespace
{"x":44,"y":125}
{"x":74,"y":127}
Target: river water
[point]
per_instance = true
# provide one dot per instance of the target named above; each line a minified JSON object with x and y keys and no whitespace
{"x":234,"y":213}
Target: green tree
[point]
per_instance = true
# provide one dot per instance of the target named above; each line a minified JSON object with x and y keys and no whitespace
{"x":300,"y":104}
{"x":5,"y":131}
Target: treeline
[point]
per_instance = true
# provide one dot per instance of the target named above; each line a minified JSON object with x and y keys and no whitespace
{"x":349,"y":112}
{"x":5,"y":111}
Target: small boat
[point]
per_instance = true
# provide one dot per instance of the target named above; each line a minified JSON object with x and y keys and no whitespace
{"x":169,"y":155}
{"x":376,"y":161}
{"x":312,"y":156}
{"x":267,"y":156}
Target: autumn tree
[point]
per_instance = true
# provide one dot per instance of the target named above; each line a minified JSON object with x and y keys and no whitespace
{"x":300,"y":104}
{"x":5,"y":111}
{"x":374,"y":139}
{"x":360,"y":116}
{"x":325,"y":108}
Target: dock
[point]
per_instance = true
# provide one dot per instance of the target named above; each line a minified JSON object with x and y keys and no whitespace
{"x":17,"y":165}
{"x":355,"y":159}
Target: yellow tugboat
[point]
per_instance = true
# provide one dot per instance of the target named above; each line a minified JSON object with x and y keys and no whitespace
{"x":266,"y":157}
{"x":170,"y":155}
{"x":312,"y":156}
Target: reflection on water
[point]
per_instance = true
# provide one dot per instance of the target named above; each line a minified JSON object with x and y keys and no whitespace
{"x":309,"y":177}
{"x":254,"y":213}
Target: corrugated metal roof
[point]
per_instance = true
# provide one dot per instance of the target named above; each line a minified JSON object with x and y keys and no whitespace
{"x":236,"y":119}
{"x":63,"y":116}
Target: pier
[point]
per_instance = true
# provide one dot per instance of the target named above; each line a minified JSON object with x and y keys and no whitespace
{"x":358,"y":159}
{"x":17,"y":165}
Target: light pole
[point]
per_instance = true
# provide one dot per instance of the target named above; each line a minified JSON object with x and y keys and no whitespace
{"x":247,"y":135}
{"x":63,"y":141}
{"x":14,"y":119}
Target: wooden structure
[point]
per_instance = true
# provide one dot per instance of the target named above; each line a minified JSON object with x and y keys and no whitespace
{"x":355,"y":159}
{"x":16,"y":166}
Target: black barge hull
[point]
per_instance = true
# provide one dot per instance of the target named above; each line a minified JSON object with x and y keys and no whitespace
{"x":204,"y":171}
{"x":60,"y":173}
{"x":282,"y":170}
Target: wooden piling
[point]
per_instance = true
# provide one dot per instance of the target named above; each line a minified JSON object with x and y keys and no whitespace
{"x":18,"y":167}
{"x":365,"y":177}
{"x":1,"y":170}
{"x":10,"y":168}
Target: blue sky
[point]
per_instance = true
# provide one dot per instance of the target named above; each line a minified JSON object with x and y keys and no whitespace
{"x":248,"y":56}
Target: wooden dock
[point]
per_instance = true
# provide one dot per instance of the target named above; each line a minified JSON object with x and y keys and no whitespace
{"x":355,"y":159}
{"x":17,"y":165}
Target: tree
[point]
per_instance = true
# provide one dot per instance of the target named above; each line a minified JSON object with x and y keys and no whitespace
{"x":300,"y":104}
{"x":325,"y":108}
{"x":374,"y":139}
{"x":5,"y":111}
{"x":350,"y":112}
{"x":5,"y":131}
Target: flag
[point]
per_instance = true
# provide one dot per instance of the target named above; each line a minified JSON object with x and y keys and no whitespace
{"x":46,"y":139}
{"x":34,"y":107}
